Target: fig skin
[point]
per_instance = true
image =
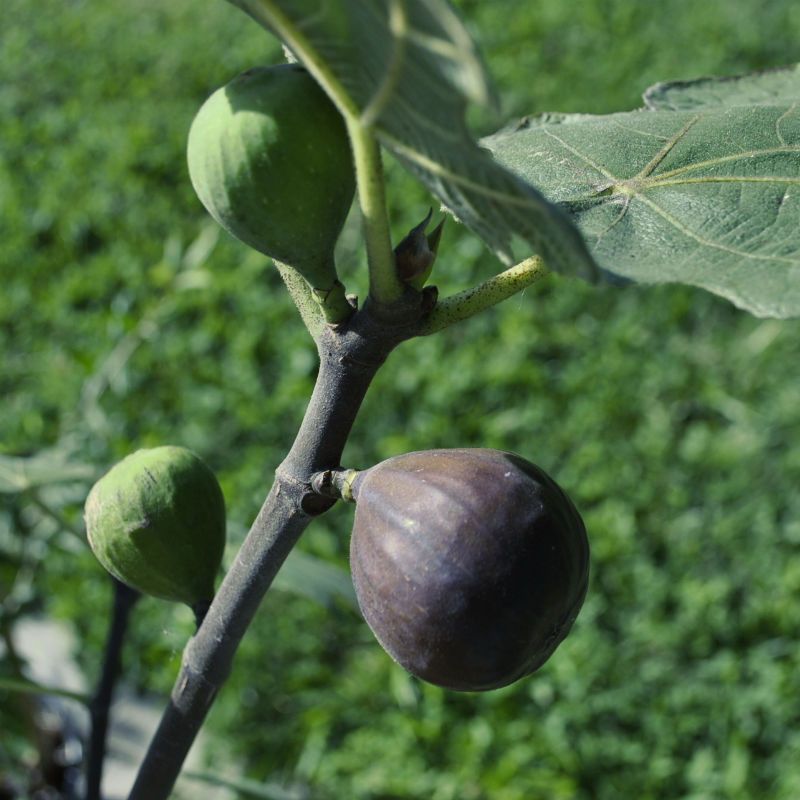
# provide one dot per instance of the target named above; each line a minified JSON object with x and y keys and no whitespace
{"x":156,"y":522}
{"x":470,"y":565}
{"x":270,"y":159}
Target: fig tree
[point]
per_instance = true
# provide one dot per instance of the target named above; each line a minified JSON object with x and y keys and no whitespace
{"x":156,"y":522}
{"x":269,"y":157}
{"x":470,"y":566}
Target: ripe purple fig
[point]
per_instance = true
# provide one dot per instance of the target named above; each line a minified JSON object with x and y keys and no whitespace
{"x":470,"y":566}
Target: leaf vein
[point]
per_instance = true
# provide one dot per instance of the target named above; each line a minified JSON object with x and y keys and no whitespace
{"x":712,"y":162}
{"x":707,"y":242}
{"x":577,"y":153}
{"x":655,"y":183}
{"x":667,"y":148}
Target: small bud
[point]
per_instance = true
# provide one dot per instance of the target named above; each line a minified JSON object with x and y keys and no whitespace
{"x":415,"y":255}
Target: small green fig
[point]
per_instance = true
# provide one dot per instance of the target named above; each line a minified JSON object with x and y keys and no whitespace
{"x":156,"y":522}
{"x":470,"y":565}
{"x":270,"y":159}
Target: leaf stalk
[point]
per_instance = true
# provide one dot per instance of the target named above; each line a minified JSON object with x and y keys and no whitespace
{"x":385,"y":287}
{"x":466,"y":304}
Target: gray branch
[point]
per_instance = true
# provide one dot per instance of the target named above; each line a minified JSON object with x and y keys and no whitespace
{"x":350,"y":355}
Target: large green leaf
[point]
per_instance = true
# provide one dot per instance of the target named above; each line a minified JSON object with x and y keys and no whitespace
{"x":706,"y":194}
{"x":774,"y":87}
{"x":408,"y":68}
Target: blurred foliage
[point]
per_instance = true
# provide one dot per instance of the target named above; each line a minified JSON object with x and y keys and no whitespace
{"x":670,"y":417}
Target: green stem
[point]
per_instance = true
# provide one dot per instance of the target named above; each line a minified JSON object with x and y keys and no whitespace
{"x":465,"y":304}
{"x":384,"y":285}
{"x":300,"y":292}
{"x":332,"y":302}
{"x":316,"y":306}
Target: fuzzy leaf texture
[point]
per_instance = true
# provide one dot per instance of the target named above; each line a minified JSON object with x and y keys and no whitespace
{"x":700,"y":187}
{"x":408,"y":68}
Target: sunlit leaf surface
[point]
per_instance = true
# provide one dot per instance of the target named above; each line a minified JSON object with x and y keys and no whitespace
{"x":706,"y":194}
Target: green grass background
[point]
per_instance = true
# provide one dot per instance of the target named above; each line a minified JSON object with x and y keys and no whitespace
{"x":670,"y":417}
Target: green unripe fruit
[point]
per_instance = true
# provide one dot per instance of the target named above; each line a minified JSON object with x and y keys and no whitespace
{"x":156,"y":521}
{"x":270,"y":159}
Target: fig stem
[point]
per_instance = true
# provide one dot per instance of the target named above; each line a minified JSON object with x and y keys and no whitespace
{"x":333,"y":303}
{"x":335,"y":483}
{"x":300,"y":292}
{"x":200,"y":609}
{"x":316,"y":306}
{"x":350,"y":355}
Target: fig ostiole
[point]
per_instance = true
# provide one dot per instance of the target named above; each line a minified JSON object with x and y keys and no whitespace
{"x":156,"y":522}
{"x":270,"y":159}
{"x":470,"y":565}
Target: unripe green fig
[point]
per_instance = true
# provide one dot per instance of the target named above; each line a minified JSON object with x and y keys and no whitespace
{"x":156,"y":522}
{"x":269,"y":157}
{"x":470,"y":565}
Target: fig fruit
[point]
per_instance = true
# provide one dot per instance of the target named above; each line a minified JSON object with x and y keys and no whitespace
{"x":156,"y":522}
{"x":269,"y":157}
{"x":470,"y":565}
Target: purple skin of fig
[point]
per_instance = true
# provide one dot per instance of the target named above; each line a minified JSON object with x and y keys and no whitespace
{"x":470,"y":565}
